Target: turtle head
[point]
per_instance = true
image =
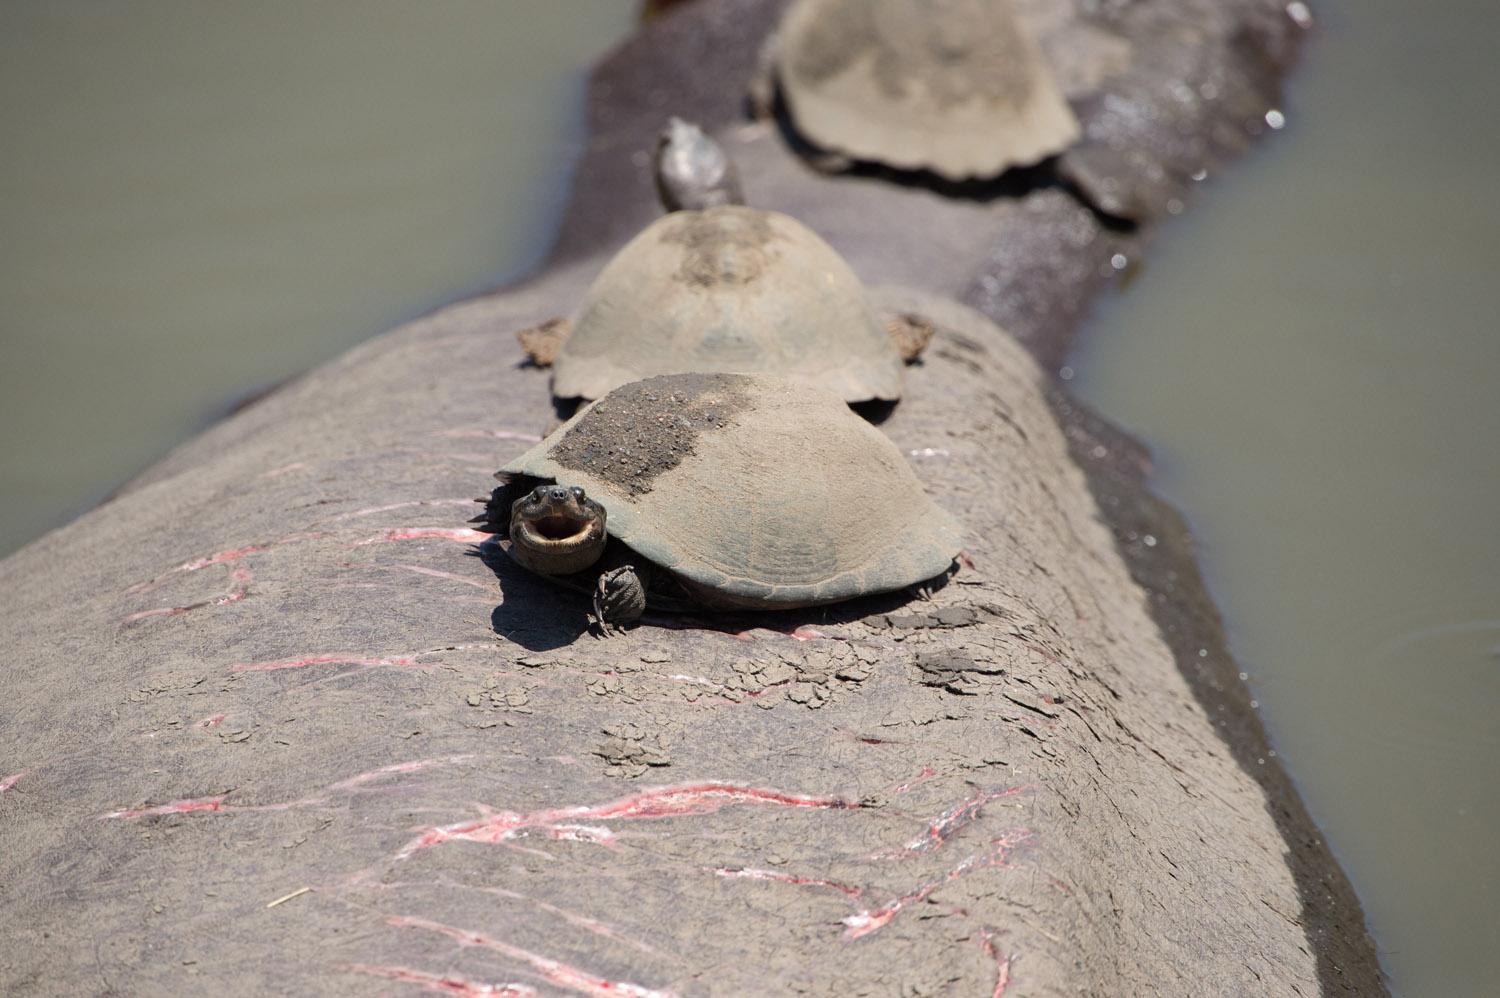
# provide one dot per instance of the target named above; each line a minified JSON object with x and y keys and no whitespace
{"x":692,"y":170}
{"x":556,"y":530}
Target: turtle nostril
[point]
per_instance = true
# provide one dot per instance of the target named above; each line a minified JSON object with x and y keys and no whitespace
{"x":558,"y":495}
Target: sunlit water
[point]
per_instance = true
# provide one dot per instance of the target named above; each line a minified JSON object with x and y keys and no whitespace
{"x":201,"y":198}
{"x":1314,"y":353}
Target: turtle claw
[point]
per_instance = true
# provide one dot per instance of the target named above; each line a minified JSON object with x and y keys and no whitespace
{"x":619,"y":599}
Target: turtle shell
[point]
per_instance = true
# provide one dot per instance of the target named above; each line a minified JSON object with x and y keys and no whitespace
{"x":957,"y":87}
{"x":754,"y":491}
{"x":728,"y":289}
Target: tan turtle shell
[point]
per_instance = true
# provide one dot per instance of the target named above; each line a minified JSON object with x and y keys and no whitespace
{"x":728,"y":289}
{"x":957,"y":87}
{"x":754,"y":491}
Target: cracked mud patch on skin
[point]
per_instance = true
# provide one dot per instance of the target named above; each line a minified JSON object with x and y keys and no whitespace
{"x":642,"y":430}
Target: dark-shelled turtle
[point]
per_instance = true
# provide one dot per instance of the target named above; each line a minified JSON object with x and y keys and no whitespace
{"x":722,"y":491}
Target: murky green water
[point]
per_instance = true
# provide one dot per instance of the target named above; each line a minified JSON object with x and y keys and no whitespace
{"x":199,"y":199}
{"x":1315,"y":355}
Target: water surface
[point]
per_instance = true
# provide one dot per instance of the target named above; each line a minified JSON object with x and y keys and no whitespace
{"x":1313,"y":353}
{"x":202,"y":198}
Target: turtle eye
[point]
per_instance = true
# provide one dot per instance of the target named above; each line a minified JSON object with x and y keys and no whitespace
{"x":539,"y":493}
{"x":578,"y":493}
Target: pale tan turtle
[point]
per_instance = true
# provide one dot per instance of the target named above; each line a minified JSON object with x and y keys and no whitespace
{"x":957,"y":87}
{"x":721,"y":491}
{"x":732,"y":289}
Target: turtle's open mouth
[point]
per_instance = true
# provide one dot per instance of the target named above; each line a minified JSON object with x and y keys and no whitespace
{"x":558,"y":527}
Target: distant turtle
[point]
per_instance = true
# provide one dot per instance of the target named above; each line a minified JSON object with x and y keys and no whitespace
{"x":727,"y":289}
{"x":721,"y":491}
{"x":957,"y":87}
{"x":692,"y":171}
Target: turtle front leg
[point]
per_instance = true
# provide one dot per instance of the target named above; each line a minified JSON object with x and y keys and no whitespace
{"x":619,"y":599}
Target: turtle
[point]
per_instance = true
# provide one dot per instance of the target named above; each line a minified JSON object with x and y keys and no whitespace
{"x":724,"y":491}
{"x":692,"y":171}
{"x":956,"y":87}
{"x":727,"y":288}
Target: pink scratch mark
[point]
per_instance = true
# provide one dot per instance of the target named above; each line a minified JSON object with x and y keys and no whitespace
{"x":658,"y":802}
{"x":531,"y":438}
{"x":437,"y":574}
{"x":210,"y":721}
{"x":593,"y":925}
{"x":176,"y":807}
{"x":1002,"y":963}
{"x":297,"y":663}
{"x":552,"y":971}
{"x":398,"y":767}
{"x":419,"y":533}
{"x":240,"y":575}
{"x":901,"y":788}
{"x":1045,"y":654}
{"x":446,"y":984}
{"x":400,"y":505}
{"x":785,"y":878}
{"x":942,"y":828}
{"x":233,"y":554}
{"x":864,"y":922}
{"x":216,"y":803}
{"x":10,"y":781}
{"x":278,"y":472}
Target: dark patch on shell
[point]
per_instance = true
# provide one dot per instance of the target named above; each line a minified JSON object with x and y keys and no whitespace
{"x":722,"y":247}
{"x":642,"y":430}
{"x":956,"y":50}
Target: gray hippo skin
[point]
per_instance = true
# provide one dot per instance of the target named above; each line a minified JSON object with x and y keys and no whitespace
{"x":275,"y":722}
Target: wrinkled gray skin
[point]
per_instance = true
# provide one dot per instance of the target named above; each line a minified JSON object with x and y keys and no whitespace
{"x":275,"y":723}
